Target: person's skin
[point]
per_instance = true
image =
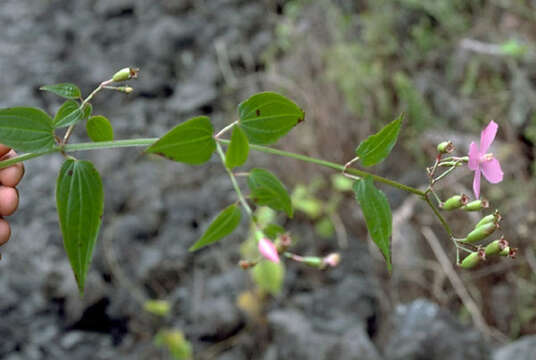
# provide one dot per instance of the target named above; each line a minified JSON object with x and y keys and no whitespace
{"x":9,"y":196}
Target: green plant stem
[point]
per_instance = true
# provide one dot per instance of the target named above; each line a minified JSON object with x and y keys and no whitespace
{"x":243,"y":201}
{"x":332,"y":165}
{"x":439,"y":216}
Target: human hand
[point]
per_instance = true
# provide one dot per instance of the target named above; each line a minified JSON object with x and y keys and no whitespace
{"x":9,"y":196}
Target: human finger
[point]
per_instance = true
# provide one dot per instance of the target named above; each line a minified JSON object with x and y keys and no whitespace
{"x":4,"y":149}
{"x":5,"y":231}
{"x":9,"y":200}
{"x":11,"y":175}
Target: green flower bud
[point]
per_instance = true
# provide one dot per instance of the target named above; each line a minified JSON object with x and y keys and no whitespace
{"x":476,"y":205}
{"x":446,"y":147}
{"x":495,"y":247}
{"x":480,"y":233}
{"x":455,"y":202}
{"x":126,"y":74}
{"x":473,"y":259}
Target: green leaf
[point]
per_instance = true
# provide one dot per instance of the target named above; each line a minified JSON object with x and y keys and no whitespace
{"x":237,"y":152}
{"x":269,"y":276}
{"x":191,"y":142}
{"x":66,"y":90}
{"x":79,"y":199}
{"x":376,"y":147}
{"x":220,"y":227}
{"x":266,"y":189}
{"x":70,"y":113}
{"x":99,"y":129}
{"x":26,"y":129}
{"x":377,"y":214}
{"x":267,"y":116}
{"x":272,"y":230}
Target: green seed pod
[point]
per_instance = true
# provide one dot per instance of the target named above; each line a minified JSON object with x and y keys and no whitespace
{"x":445,"y":147}
{"x":125,"y":74}
{"x":480,"y":233}
{"x":495,"y":247}
{"x":476,"y":205}
{"x":509,"y":251}
{"x":495,"y":217}
{"x":455,"y":202}
{"x":473,"y":259}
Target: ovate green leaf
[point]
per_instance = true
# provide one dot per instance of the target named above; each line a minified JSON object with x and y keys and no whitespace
{"x":376,"y":147}
{"x":70,"y":113}
{"x":79,"y":199}
{"x":66,"y":90}
{"x":377,"y":214}
{"x":99,"y":129}
{"x":223,"y":225}
{"x":238,"y":150}
{"x":26,"y":129}
{"x":266,"y":189}
{"x":267,"y":116}
{"x":191,"y":142}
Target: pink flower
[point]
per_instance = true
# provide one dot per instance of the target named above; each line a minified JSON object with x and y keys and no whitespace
{"x":268,"y":250}
{"x":482,"y":162}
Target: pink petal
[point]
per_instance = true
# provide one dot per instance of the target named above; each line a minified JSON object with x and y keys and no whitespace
{"x":476,"y":184}
{"x":487,"y":136}
{"x":268,"y":250}
{"x":474,"y":156}
{"x":492,"y":171}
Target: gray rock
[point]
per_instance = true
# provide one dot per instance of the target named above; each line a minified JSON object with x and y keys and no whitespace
{"x":421,"y":330}
{"x":522,"y":349}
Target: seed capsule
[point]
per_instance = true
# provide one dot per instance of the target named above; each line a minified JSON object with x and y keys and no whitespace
{"x":480,"y":233}
{"x":445,"y":147}
{"x":126,"y":74}
{"x":495,"y":217}
{"x":476,"y":205}
{"x":473,"y":259}
{"x":495,"y":247}
{"x":455,"y":202}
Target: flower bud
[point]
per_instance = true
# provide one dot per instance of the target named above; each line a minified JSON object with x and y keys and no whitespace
{"x":126,"y":74}
{"x":495,"y":217}
{"x":476,"y":205}
{"x":455,"y":202}
{"x":495,"y":247}
{"x":446,"y":147}
{"x":473,"y":259}
{"x":268,"y":250}
{"x":332,"y":260}
{"x":480,"y":233}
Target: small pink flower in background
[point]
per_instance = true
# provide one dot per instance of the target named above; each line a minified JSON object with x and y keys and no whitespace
{"x":482,"y":162}
{"x":268,"y":250}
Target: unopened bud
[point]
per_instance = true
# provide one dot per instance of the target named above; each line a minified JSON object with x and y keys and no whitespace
{"x":480,"y":233}
{"x":473,"y":259}
{"x":476,"y":205}
{"x":455,"y":202}
{"x":446,"y":147}
{"x":125,"y":89}
{"x":495,"y":247}
{"x":495,"y":217}
{"x":126,"y":74}
{"x":332,"y":260}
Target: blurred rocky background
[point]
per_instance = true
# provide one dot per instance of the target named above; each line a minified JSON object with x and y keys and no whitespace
{"x":450,"y":65}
